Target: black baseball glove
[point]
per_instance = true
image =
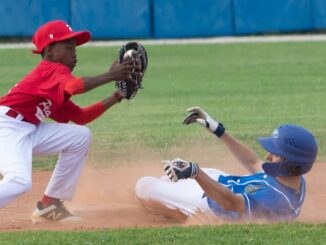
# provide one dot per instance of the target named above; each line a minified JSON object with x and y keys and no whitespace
{"x":137,"y":52}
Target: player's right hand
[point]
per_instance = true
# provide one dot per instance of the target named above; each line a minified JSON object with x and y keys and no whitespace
{"x":177,"y":169}
{"x":124,"y":71}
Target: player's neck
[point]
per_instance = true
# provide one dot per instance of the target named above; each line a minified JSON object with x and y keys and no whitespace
{"x":293,"y":182}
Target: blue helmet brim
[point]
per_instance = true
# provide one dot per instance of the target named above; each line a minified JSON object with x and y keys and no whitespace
{"x":268,"y":144}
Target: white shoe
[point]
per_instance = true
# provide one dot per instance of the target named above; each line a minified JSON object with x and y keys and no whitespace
{"x":55,"y":212}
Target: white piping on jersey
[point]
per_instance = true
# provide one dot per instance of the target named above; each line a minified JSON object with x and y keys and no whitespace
{"x":264,"y":181}
{"x":249,"y":207}
{"x":304,"y":188}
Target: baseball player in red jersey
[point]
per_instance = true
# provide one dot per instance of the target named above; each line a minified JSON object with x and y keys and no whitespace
{"x":45,"y":93}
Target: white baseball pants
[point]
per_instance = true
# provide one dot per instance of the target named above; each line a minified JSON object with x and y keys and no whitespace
{"x":20,"y":140}
{"x":163,"y":196}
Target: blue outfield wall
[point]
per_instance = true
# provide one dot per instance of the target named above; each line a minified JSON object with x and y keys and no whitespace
{"x":112,"y":18}
{"x":130,"y":19}
{"x":20,"y":18}
{"x":318,"y":10}
{"x":195,"y":18}
{"x":261,"y":16}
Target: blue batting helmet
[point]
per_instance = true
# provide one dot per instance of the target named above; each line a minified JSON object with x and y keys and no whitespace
{"x":294,"y":143}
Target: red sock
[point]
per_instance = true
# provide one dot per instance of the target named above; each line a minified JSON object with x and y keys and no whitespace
{"x":48,"y":201}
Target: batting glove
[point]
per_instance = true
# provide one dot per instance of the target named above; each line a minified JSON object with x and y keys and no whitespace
{"x":179,"y":169}
{"x":200,"y":116}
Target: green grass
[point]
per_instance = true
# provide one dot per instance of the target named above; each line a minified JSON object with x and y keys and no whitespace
{"x":224,"y":234}
{"x":251,"y":88}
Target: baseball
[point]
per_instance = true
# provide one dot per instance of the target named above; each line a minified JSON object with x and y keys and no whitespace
{"x":129,"y":54}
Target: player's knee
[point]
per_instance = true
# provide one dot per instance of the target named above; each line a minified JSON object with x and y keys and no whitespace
{"x":25,"y":184}
{"x":21,"y":184}
{"x":145,"y":187}
{"x":84,"y":135}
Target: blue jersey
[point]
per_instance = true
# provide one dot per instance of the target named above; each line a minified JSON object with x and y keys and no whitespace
{"x":265,"y":197}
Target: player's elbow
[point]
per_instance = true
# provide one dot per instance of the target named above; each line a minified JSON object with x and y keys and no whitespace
{"x":79,"y":121}
{"x":237,"y":204}
{"x":234,"y":203}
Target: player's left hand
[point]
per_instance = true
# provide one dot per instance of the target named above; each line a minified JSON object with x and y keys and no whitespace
{"x":177,"y":169}
{"x":197,"y":114}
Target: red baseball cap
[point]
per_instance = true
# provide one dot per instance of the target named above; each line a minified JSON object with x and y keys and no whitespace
{"x":55,"y":31}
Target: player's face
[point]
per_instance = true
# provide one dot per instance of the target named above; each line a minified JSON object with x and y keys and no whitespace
{"x":270,"y":157}
{"x":64,"y":52}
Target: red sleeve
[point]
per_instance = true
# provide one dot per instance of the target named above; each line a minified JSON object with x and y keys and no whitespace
{"x":63,"y":114}
{"x":76,"y":114}
{"x":75,"y":86}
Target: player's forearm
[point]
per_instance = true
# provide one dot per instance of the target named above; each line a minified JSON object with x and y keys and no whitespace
{"x":220,"y":194}
{"x":90,"y":113}
{"x":93,"y":82}
{"x":115,"y":98}
{"x":83,"y":84}
{"x":243,"y":153}
{"x":116,"y":72}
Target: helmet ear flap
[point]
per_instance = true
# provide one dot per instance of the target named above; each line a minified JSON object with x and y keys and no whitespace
{"x":295,"y":170}
{"x":274,"y":169}
{"x":286,"y":168}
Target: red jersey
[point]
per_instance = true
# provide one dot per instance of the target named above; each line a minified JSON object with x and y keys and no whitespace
{"x":41,"y":94}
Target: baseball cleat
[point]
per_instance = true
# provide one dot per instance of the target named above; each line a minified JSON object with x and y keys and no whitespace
{"x":55,"y":212}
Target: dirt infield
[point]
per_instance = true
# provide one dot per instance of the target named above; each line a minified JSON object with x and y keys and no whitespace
{"x":105,"y":199}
